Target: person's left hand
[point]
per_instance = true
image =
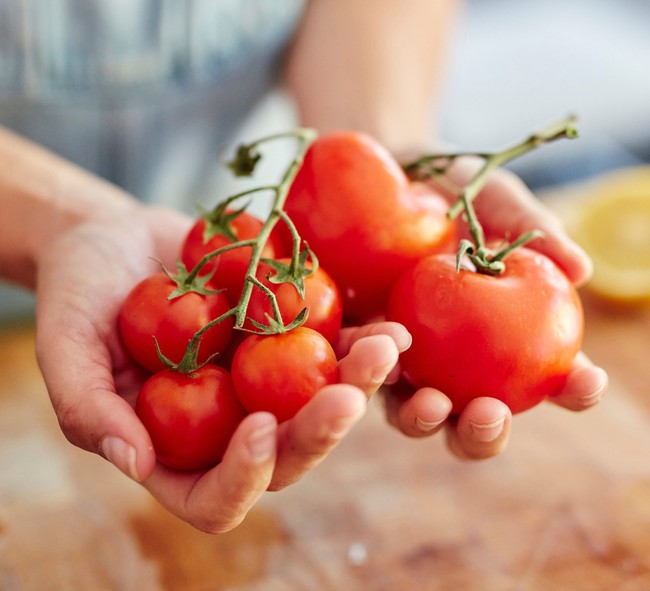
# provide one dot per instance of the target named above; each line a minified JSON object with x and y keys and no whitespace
{"x":505,"y":207}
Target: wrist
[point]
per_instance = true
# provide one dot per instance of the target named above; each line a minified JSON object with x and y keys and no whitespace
{"x":41,"y":197}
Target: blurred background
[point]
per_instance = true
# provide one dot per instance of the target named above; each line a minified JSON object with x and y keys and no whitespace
{"x":514,"y":65}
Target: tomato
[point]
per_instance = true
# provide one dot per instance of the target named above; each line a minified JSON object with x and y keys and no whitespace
{"x":147,"y":312}
{"x":280,"y":373}
{"x":231,"y":265}
{"x":356,"y":208}
{"x":189,"y":417}
{"x":322,"y":297}
{"x":512,"y":336}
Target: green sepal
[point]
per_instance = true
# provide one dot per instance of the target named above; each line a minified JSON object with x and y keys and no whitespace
{"x":276,"y":327}
{"x":189,"y":363}
{"x":184,"y":284}
{"x":218,"y":221}
{"x":245,"y":160}
{"x":293,"y":273}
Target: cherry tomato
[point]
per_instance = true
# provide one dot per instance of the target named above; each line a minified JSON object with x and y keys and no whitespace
{"x":147,"y":312}
{"x":189,"y":417}
{"x":322,"y":297}
{"x":232,"y":265}
{"x":281,"y":373}
{"x":512,"y":336}
{"x":355,"y":207}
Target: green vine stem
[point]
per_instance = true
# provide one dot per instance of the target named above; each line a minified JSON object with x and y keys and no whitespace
{"x":247,"y":154}
{"x":485,"y":260}
{"x":244,"y":164}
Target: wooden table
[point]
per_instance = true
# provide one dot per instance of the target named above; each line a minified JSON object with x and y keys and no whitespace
{"x":566,"y":507}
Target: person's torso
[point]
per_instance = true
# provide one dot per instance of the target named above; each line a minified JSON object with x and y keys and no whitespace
{"x":142,"y":92}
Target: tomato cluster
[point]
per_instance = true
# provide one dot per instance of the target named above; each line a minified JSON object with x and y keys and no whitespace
{"x":206,"y":375}
{"x":481,"y":326}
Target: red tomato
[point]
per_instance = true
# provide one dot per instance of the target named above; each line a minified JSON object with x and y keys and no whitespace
{"x":232,"y":265}
{"x":322,"y":297}
{"x":147,"y":312}
{"x":281,"y":373}
{"x":355,"y":207}
{"x":513,"y":336}
{"x":189,"y":417}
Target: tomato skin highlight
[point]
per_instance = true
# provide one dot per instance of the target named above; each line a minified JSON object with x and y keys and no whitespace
{"x":513,"y":337}
{"x":365,"y":220}
{"x":231,"y":266}
{"x":147,"y":313}
{"x":189,"y":417}
{"x":322,"y":297}
{"x":281,"y":373}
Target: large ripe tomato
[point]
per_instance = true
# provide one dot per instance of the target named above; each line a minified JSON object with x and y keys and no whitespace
{"x":147,"y":312}
{"x":512,"y":336}
{"x":355,"y":207}
{"x":281,"y":373}
{"x":204,"y":238}
{"x":322,"y":297}
{"x":189,"y":417}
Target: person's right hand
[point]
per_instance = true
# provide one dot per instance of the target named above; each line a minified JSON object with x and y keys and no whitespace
{"x":83,"y":275}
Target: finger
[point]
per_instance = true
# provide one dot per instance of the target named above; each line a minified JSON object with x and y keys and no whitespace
{"x":305,"y":440}
{"x":368,"y":362}
{"x":419,"y":414}
{"x":585,"y":386}
{"x":481,"y":431}
{"x":517,"y":211}
{"x":219,"y":499}
{"x":350,"y":335}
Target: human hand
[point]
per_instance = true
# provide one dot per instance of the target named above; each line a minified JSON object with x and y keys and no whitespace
{"x":83,"y":276}
{"x":506,"y":208}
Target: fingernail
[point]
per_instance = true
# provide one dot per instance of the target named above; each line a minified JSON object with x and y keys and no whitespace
{"x":261,"y":443}
{"x":427,"y":426}
{"x":404,"y":341}
{"x":597,"y":393}
{"x":338,"y":428}
{"x":486,"y":433}
{"x":122,"y":455}
{"x":378,"y":375}
{"x":591,"y":399}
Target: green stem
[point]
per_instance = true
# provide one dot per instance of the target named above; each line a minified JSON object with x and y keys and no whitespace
{"x":305,"y":138}
{"x":214,"y":254}
{"x":563,"y":129}
{"x":485,"y":260}
{"x":296,"y":240}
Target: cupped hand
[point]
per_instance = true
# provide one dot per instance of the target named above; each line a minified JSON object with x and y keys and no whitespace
{"x":506,"y":208}
{"x":83,"y":276}
{"x":263,"y":455}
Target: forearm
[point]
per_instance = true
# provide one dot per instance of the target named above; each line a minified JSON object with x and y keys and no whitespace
{"x":41,"y":195}
{"x":371,"y":65}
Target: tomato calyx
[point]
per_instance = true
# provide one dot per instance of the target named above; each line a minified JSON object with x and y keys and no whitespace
{"x":187,"y":282}
{"x":245,"y":160}
{"x":485,"y":260}
{"x":218,"y":221}
{"x":296,"y":271}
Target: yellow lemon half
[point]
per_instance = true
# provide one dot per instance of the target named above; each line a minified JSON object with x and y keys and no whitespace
{"x":614,"y":228}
